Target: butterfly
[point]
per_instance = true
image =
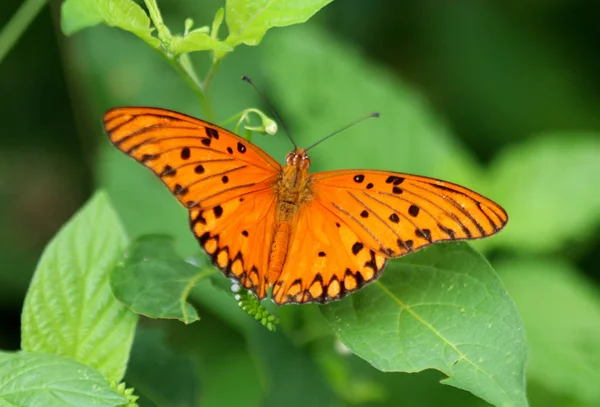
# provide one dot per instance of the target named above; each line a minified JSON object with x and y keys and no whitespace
{"x":308,"y":237}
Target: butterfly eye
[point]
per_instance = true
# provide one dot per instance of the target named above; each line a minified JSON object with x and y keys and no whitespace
{"x":291,"y":159}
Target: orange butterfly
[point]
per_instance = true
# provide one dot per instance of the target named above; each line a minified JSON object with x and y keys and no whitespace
{"x":311,"y":237}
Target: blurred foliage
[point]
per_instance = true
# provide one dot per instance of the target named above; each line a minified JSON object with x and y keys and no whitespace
{"x":499,"y":96}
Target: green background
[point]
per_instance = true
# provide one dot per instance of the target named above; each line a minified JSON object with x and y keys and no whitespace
{"x":500,"y":96}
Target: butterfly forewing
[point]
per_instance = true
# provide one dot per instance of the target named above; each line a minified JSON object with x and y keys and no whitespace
{"x":199,"y":162}
{"x":396,"y":213}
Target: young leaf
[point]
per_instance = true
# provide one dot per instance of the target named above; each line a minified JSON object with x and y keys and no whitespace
{"x":544,"y":184}
{"x":35,"y":379}
{"x":561,"y":312}
{"x":69,"y":309}
{"x":249,"y":20}
{"x":197,"y":41}
{"x":441,"y":308}
{"x":125,"y":14}
{"x":216,"y":25}
{"x":154,"y":281}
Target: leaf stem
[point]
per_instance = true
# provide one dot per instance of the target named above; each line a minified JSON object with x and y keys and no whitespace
{"x":19,"y":22}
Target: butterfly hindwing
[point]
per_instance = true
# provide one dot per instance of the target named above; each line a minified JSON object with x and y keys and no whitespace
{"x":237,"y":235}
{"x":396,"y":213}
{"x":326,"y":259}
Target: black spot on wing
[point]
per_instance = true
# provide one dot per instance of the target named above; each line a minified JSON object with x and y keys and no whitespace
{"x":357,"y":247}
{"x":168,"y":171}
{"x":392,"y":179}
{"x":211,"y":133}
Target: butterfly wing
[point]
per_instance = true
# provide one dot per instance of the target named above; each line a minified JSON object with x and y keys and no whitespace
{"x":326,"y":259}
{"x":369,"y":216}
{"x":224,"y":180}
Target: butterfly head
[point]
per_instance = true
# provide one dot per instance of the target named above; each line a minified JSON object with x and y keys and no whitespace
{"x":298,"y":158}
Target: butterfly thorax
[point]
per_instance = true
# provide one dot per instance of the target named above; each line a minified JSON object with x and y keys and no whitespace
{"x":294,"y":187}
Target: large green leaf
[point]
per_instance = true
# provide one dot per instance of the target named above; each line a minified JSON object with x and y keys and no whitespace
{"x":249,"y":20}
{"x":125,"y":14}
{"x":561,"y":312}
{"x":69,"y":309}
{"x":151,"y":358}
{"x":289,"y":374}
{"x":153,"y":280}
{"x":547,"y":187}
{"x":442,"y":308}
{"x":222,"y":360}
{"x":42,"y":380}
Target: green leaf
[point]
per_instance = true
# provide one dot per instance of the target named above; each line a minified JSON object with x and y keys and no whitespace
{"x":289,"y":370}
{"x":69,"y":309}
{"x":197,"y":41}
{"x":154,"y":281}
{"x":561,"y":312}
{"x":249,"y":20}
{"x":42,"y":380}
{"x":150,"y":359}
{"x":125,"y":14}
{"x":221,"y":361}
{"x":442,"y":308}
{"x":338,"y":86}
{"x":544,"y":185}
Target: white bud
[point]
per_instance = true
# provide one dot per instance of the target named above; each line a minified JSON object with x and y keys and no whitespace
{"x":270,"y":127}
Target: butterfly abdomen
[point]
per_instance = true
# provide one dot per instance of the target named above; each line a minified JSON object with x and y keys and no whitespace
{"x":279,"y":249}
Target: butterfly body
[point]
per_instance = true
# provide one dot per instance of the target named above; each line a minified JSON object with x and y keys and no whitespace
{"x":310,"y":237}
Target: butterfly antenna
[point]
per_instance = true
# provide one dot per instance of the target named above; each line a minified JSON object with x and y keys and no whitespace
{"x":374,"y":114}
{"x":271,"y":109}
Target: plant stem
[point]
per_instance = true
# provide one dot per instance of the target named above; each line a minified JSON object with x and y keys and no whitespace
{"x":211,"y":73}
{"x":181,"y":64}
{"x":17,"y":24}
{"x":191,"y":79}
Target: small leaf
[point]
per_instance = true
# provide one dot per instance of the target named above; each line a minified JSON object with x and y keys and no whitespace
{"x":561,"y":312}
{"x":442,"y":308}
{"x":125,"y":14}
{"x":544,"y":185}
{"x":216,"y":25}
{"x":69,"y":309}
{"x":34,"y":379}
{"x":197,"y":40}
{"x":249,"y":20}
{"x":154,"y":281}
